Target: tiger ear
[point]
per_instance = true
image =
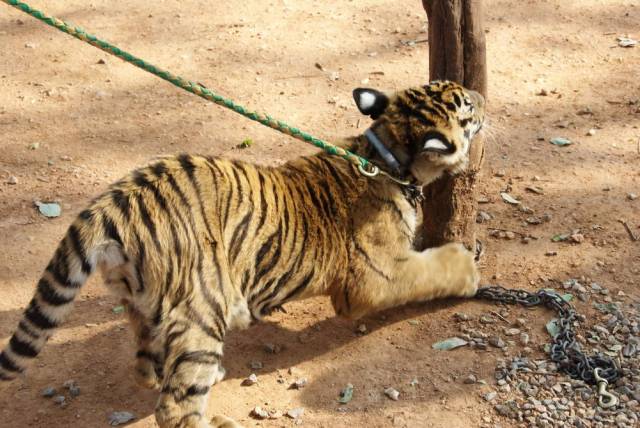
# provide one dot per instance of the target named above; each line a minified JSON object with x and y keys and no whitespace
{"x":370,"y":102}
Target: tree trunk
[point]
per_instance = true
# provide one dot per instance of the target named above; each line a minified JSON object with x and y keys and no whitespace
{"x":456,"y":52}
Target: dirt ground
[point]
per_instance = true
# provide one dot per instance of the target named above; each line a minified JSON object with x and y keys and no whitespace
{"x":73,"y":119}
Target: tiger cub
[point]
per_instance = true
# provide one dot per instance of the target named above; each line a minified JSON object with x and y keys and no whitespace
{"x":196,"y":246}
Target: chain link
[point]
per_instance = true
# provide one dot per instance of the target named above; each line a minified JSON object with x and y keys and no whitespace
{"x":565,"y":350}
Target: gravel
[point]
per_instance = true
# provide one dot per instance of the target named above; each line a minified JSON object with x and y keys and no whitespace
{"x":531,"y":392}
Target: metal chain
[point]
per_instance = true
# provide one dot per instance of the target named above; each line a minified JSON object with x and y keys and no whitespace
{"x":565,"y":350}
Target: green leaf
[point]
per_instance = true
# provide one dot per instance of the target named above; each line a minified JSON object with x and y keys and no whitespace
{"x":49,"y":209}
{"x":567,"y":297}
{"x":245,"y":144}
{"x":553,"y":328}
{"x":449,"y":344}
{"x":560,"y":237}
{"x":560,"y":141}
{"x":118,"y":309}
{"x":346,"y":394}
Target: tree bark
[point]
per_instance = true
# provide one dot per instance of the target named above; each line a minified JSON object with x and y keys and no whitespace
{"x":456,"y":52}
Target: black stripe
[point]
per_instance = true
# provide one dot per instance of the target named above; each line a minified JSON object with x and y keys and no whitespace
{"x":8,"y":364}
{"x":189,"y":168}
{"x":142,"y":252}
{"x":333,"y":171}
{"x":48,"y":293}
{"x":58,"y":268}
{"x":196,"y":390}
{"x":22,"y":348}
{"x":364,"y":254}
{"x":238,"y":184}
{"x":78,"y":246}
{"x":121,"y":200}
{"x":176,"y":188}
{"x":86,"y":214}
{"x":198,"y":357}
{"x":159,"y":169}
{"x":263,"y":202}
{"x":275,"y":257}
{"x":200,"y":322}
{"x":111,"y":230}
{"x":37,"y":318}
{"x":24,"y":327}
{"x":239,"y":235}
{"x":300,"y":287}
{"x":148,"y":222}
{"x":327,"y":194}
{"x":210,"y":298}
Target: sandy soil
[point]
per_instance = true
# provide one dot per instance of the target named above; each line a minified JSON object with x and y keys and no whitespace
{"x":93,"y":118}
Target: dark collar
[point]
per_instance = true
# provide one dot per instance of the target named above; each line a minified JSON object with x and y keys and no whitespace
{"x":411,"y":191}
{"x":382,"y":150}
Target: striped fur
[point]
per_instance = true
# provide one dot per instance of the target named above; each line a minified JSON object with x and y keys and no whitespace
{"x":196,"y":246}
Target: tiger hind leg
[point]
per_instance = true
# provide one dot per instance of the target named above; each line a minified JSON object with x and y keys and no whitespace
{"x":192,"y":366}
{"x":149,"y":356}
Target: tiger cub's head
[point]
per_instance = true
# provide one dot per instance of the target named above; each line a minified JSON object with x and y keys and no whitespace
{"x":428,"y":129}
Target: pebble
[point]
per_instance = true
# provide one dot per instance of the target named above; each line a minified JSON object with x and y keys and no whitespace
{"x":251,"y":380}
{"x":296,"y":413}
{"x":632,"y":196}
{"x":255,"y":365}
{"x":259,"y":413}
{"x":120,"y":418}
{"x":471,"y":379}
{"x":362,"y":329}
{"x":12,"y":180}
{"x":299,"y":383}
{"x":273,"y":348}
{"x":524,"y":339}
{"x":59,"y":399}
{"x":48,"y":392}
{"x":461,"y":316}
{"x":486,"y":319}
{"x":497,"y":342}
{"x":512,"y":331}
{"x":392,"y":394}
{"x":490,"y":396}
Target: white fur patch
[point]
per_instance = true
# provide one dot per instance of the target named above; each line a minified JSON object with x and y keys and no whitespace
{"x":367,"y":100}
{"x":435,"y":144}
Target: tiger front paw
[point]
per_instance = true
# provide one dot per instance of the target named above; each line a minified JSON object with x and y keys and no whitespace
{"x":462,"y":272}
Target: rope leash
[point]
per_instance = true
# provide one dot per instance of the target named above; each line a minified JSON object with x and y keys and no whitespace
{"x":364,"y":166}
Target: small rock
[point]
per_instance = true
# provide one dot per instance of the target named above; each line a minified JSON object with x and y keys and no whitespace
{"x":471,"y":379}
{"x":461,"y":316}
{"x":119,"y":418}
{"x":251,"y":380}
{"x":576,"y":238}
{"x":362,"y":329}
{"x":74,"y":390}
{"x":533,"y":220}
{"x":497,"y":342}
{"x":255,"y":365}
{"x":630,"y":196}
{"x":490,"y":396}
{"x":30,"y":45}
{"x":524,"y":339}
{"x":59,"y":399}
{"x":276,"y":414}
{"x":12,"y":180}
{"x":486,"y":319}
{"x":101,"y":61}
{"x":392,"y":394}
{"x":259,"y":413}
{"x":48,"y":392}
{"x":483,"y":217}
{"x":299,"y":383}
{"x":273,"y":348}
{"x":512,"y":331}
{"x":34,"y":146}
{"x":295,"y":413}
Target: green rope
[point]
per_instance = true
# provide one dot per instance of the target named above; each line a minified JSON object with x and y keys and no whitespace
{"x":192,"y":87}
